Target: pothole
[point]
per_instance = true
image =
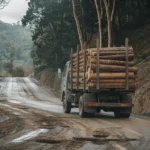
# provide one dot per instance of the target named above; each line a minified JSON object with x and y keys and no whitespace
{"x":101,"y":133}
{"x":103,"y":139}
{"x":48,"y":141}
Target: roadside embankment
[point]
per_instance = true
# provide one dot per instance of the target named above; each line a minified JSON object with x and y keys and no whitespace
{"x":50,"y":79}
{"x":142,"y":94}
{"x":141,"y":98}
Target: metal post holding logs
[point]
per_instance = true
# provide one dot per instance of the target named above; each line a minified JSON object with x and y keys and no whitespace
{"x":97,"y":65}
{"x":77,"y":66}
{"x":84,"y":78}
{"x":127,"y":66}
{"x":71,"y":68}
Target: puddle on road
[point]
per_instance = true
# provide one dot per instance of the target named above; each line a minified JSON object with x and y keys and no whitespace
{"x":29,"y":135}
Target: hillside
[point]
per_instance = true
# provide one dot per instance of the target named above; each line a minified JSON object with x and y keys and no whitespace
{"x":141,"y":42}
{"x":16,"y":42}
{"x":142,"y":94}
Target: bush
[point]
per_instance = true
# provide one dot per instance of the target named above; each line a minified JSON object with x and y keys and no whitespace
{"x":18,"y":72}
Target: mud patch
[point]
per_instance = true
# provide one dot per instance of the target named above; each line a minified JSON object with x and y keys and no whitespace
{"x":9,"y":123}
{"x":101,"y":133}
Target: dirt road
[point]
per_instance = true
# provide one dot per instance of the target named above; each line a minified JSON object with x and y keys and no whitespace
{"x":31,"y":118}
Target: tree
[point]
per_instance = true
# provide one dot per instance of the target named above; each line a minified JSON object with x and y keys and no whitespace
{"x":99,"y":14}
{"x":54,"y":31}
{"x":3,"y":3}
{"x":78,"y":25}
{"x":58,"y":25}
{"x":11,"y":50}
{"x":109,"y":7}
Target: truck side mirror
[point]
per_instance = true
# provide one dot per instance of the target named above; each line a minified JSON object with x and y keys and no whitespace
{"x":59,"y":73}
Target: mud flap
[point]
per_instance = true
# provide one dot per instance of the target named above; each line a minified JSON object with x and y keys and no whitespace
{"x":126,"y":99}
{"x":89,"y":97}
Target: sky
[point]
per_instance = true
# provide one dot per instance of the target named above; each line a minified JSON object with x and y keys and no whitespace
{"x":14,"y":12}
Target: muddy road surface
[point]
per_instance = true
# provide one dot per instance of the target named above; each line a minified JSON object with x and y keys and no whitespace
{"x":31,"y":118}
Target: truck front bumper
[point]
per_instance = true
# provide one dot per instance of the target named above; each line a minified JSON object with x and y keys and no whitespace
{"x":92,"y":104}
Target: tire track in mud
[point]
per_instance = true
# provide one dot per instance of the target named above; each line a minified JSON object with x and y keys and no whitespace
{"x":4,"y":84}
{"x":25,"y":88}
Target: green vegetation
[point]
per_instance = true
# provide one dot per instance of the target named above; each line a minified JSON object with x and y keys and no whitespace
{"x":55,"y":32}
{"x":15,"y":46}
{"x":18,"y":72}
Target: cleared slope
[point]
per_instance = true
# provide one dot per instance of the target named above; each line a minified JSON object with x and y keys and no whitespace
{"x":142,"y":94}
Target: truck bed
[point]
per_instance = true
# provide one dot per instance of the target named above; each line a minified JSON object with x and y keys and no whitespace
{"x":103,"y":69}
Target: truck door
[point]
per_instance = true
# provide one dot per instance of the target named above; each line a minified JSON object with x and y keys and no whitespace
{"x":64,"y":78}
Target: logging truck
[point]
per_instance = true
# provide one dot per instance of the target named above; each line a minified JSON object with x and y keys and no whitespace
{"x":98,"y":79}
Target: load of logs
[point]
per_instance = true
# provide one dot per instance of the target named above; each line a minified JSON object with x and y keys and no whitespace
{"x":103,"y":68}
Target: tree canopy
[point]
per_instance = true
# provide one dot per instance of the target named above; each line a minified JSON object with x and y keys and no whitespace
{"x":3,"y":3}
{"x":54,"y":29}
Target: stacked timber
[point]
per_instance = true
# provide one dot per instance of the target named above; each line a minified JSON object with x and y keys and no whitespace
{"x":103,"y":68}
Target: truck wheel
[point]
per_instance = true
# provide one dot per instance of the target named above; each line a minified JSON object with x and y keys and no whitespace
{"x":125,"y":115}
{"x":82,"y":113}
{"x":121,"y":115}
{"x":98,"y":110}
{"x":124,"y":112}
{"x":66,"y":105}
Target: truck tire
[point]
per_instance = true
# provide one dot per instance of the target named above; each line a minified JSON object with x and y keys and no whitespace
{"x":82,"y":113}
{"x":66,"y":105}
{"x":118,"y":114}
{"x":98,"y":110}
{"x":124,"y":112}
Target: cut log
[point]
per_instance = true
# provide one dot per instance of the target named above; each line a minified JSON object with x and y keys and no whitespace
{"x":75,"y":80}
{"x":112,"y":81}
{"x":80,"y":75}
{"x":80,"y":64}
{"x":104,"y":50}
{"x":132,"y":86}
{"x":110,"y":84}
{"x":81,"y":53}
{"x":110,"y":53}
{"x":110,"y":76}
{"x":118,"y":57}
{"x":130,"y":48}
{"x":111,"y":62}
{"x":114,"y":68}
{"x":75,"y":61}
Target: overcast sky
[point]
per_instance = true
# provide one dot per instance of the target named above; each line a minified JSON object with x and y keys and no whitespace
{"x":14,"y":11}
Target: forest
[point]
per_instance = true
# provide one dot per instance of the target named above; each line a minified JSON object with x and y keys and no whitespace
{"x":59,"y":25}
{"x":16,"y":45}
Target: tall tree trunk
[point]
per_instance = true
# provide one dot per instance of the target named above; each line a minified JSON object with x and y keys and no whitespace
{"x":78,"y":25}
{"x":109,"y":19}
{"x":99,"y":22}
{"x":108,"y":23}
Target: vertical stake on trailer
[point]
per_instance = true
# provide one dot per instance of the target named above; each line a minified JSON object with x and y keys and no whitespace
{"x":127,"y":63}
{"x":84,"y":65}
{"x":97,"y":66}
{"x":71,"y":68}
{"x":77,"y":67}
